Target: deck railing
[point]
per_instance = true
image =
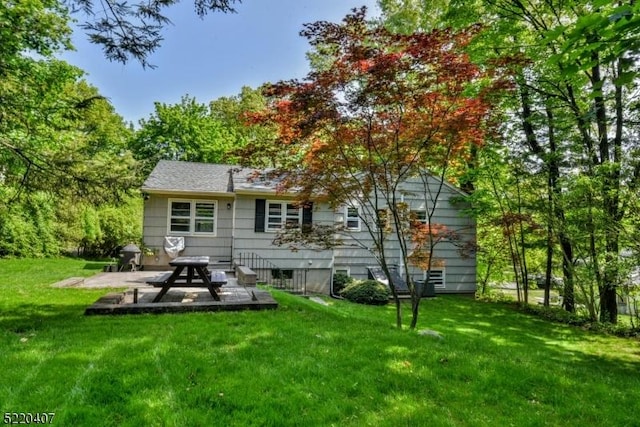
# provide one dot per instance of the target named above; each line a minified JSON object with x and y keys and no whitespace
{"x":290,"y":280}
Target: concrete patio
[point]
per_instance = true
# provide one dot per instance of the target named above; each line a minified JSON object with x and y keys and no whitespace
{"x":138,"y":295}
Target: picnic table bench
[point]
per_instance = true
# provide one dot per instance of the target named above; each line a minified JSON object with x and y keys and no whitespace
{"x":197,"y":275}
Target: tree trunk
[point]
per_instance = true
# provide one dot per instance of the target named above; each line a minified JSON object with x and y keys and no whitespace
{"x":610,"y":196}
{"x":549,"y":266}
{"x":523,"y":263}
{"x":394,"y":292}
{"x":552,"y":178}
{"x":568,"y":291}
{"x":553,"y":161}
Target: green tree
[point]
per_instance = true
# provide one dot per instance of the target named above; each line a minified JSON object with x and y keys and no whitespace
{"x":185,"y":131}
{"x":233,"y":113}
{"x":37,"y":26}
{"x":56,"y":133}
{"x":62,"y":147}
{"x":576,"y":76}
{"x":108,"y":227}
{"x":59,"y":135}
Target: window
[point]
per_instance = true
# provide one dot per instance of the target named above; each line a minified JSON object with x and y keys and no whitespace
{"x":283,"y":214}
{"x":344,"y":271}
{"x":279,"y":274}
{"x":418,"y":217}
{"x":272,"y":215}
{"x":192,"y":217}
{"x":352,"y":218}
{"x":180,"y":217}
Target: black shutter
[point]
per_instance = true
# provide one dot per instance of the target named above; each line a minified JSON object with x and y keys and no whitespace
{"x":260,"y":215}
{"x":307,"y":217}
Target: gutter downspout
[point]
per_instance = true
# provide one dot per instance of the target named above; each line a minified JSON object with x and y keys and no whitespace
{"x":231,"y":188}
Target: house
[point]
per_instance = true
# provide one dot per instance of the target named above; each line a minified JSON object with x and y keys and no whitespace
{"x":224,"y":212}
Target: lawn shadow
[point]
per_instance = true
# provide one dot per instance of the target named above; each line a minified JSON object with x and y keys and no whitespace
{"x":25,"y":318}
{"x":504,"y":325}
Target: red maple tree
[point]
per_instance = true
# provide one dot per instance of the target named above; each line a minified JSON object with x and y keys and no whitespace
{"x":378,"y":109}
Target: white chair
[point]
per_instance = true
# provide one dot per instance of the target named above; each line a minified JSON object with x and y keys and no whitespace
{"x":173,"y":245}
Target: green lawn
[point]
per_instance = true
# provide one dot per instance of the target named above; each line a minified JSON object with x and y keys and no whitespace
{"x":302,"y":364}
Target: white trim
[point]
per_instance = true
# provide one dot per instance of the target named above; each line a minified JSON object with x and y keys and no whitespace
{"x":284,"y":217}
{"x":417,"y":212}
{"x":348,"y":218}
{"x":187,"y":194}
{"x":192,"y":217}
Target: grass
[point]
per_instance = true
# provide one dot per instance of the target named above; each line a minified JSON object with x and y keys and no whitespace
{"x":302,"y":364}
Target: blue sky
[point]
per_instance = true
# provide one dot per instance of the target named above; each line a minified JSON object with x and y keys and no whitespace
{"x":212,"y":57}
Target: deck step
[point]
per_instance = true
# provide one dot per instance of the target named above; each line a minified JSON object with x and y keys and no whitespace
{"x":222,"y":265}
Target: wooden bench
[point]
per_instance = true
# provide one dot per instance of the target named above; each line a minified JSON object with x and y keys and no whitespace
{"x":246,"y":276}
{"x":196,"y":275}
{"x":159,"y":281}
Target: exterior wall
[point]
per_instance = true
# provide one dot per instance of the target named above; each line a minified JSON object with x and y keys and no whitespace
{"x":317,"y":264}
{"x":235,"y":235}
{"x":155,"y":228}
{"x":459,"y":271}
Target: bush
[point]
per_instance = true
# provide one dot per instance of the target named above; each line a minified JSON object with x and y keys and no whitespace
{"x":109,"y":227}
{"x":556,"y":314}
{"x":559,"y":315}
{"x":28,"y":228}
{"x":369,"y":292}
{"x":341,"y":281}
{"x":495,"y":297}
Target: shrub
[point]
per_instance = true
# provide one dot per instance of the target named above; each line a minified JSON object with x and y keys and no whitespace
{"x":366,"y":292}
{"x":340,"y":281}
{"x":555,"y":314}
{"x":559,"y":315}
{"x":28,"y":227}
{"x":109,"y":227}
{"x":495,"y":297}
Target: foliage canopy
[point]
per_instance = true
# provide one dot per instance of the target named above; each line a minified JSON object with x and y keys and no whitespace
{"x":379,"y":109}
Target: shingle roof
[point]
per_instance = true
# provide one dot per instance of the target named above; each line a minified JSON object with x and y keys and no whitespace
{"x":170,"y":176}
{"x":189,"y":177}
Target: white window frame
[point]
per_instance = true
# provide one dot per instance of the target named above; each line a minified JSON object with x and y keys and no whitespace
{"x":193,"y":219}
{"x":348,"y":218}
{"x":421,"y":211}
{"x":285,"y":216}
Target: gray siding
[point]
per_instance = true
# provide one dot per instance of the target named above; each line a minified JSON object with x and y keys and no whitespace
{"x":317,"y":263}
{"x":460,"y":271}
{"x":235,"y":234}
{"x":156,"y":211}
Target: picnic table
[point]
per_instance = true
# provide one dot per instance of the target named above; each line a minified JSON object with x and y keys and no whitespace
{"x":197,"y":275}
